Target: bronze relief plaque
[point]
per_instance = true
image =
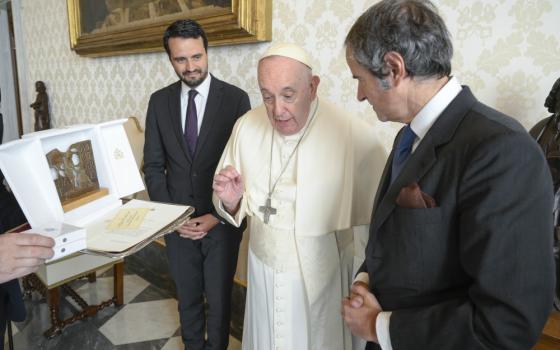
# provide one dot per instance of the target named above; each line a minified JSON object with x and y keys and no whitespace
{"x":74,"y":173}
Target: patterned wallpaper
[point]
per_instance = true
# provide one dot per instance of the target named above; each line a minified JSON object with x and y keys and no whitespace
{"x":508,"y":51}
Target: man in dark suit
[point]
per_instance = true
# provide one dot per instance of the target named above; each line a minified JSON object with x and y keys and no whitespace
{"x":20,"y":254}
{"x":188,"y":124}
{"x":460,"y":246}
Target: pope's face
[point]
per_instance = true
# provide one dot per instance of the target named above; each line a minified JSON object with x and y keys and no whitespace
{"x":189,"y":60}
{"x":287,"y":88}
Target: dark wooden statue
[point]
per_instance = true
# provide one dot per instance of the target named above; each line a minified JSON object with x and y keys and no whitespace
{"x":41,"y":107}
{"x":547,"y":134}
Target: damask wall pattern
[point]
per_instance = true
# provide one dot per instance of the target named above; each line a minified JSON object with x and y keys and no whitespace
{"x":507,"y":51}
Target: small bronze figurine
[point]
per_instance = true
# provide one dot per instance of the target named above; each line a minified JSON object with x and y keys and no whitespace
{"x":547,"y":133}
{"x":41,"y":107}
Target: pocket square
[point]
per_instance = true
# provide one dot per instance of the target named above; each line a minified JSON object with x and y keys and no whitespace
{"x":412,"y":197}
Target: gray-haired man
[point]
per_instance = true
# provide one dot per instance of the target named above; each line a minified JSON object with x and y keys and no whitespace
{"x":459,"y":253}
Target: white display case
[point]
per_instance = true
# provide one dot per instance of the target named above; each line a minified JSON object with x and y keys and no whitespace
{"x":26,"y":169}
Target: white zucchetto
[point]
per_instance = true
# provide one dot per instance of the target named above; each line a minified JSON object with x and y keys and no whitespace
{"x":288,"y":50}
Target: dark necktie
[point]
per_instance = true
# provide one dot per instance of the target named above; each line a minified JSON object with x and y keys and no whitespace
{"x":402,"y":152}
{"x":191,"y":123}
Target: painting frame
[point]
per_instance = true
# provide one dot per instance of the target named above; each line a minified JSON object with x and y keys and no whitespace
{"x":245,"y":22}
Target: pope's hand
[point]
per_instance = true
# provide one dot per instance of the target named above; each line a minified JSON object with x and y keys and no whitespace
{"x":228,"y":186}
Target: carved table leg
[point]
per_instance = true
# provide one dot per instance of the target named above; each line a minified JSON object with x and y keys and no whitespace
{"x":53,"y":300}
{"x":31,"y":283}
{"x":118,"y":283}
{"x":92,"y":277}
{"x":27,"y":286}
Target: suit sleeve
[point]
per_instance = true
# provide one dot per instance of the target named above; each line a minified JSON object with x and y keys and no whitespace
{"x":154,"y":158}
{"x":505,"y":237}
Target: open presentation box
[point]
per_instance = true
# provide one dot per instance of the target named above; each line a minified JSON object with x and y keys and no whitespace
{"x":31,"y":179}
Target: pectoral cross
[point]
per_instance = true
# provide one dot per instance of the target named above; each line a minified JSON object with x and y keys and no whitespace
{"x":267,"y":210}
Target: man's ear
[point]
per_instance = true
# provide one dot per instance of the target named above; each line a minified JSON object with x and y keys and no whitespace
{"x":315,"y":80}
{"x":395,"y":66}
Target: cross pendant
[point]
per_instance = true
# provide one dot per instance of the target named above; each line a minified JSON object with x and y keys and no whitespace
{"x":267,"y":210}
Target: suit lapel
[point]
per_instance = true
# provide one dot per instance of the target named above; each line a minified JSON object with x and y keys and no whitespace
{"x":176,"y":117}
{"x":416,"y":166}
{"x":213,"y":104}
{"x":422,"y":160}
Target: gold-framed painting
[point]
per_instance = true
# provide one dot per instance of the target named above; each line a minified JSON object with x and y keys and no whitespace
{"x":116,"y":27}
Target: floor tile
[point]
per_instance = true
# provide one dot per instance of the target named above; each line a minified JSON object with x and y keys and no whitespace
{"x":80,"y":335}
{"x":148,"y":320}
{"x":151,"y":293}
{"x":14,"y":332}
{"x":176,"y":343}
{"x":156,"y":271}
{"x":234,"y":344}
{"x":146,"y":345}
{"x":102,"y":289}
{"x":142,"y":321}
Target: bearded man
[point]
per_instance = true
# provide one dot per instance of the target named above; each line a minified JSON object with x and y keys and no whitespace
{"x":187,"y":126}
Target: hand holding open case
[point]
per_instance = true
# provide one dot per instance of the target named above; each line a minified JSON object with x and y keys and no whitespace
{"x":77,"y":176}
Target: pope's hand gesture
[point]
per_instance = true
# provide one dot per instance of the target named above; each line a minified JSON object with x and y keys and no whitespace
{"x":228,"y":186}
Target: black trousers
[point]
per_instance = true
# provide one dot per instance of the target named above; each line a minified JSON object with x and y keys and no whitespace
{"x":3,"y":318}
{"x":372,"y":346}
{"x":204,"y":269}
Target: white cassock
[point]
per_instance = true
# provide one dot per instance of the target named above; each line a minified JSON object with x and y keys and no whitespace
{"x":300,"y":262}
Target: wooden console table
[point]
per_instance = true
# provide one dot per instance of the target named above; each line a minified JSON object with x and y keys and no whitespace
{"x":550,"y":338}
{"x":51,"y":278}
{"x":52,"y":293}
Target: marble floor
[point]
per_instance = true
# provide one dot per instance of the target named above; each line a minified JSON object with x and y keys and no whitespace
{"x":147,"y":320}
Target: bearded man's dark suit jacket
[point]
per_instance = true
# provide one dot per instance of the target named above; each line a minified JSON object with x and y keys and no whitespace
{"x":476,"y":271}
{"x":172,"y":175}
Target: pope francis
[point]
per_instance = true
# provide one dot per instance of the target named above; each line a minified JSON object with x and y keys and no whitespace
{"x":304,"y":172}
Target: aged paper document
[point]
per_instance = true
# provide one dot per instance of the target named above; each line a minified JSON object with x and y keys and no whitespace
{"x":128,"y":219}
{"x":133,"y":226}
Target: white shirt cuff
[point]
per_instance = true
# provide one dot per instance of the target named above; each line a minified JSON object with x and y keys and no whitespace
{"x":382,"y":329}
{"x":362,"y":277}
{"x":238,"y":217}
